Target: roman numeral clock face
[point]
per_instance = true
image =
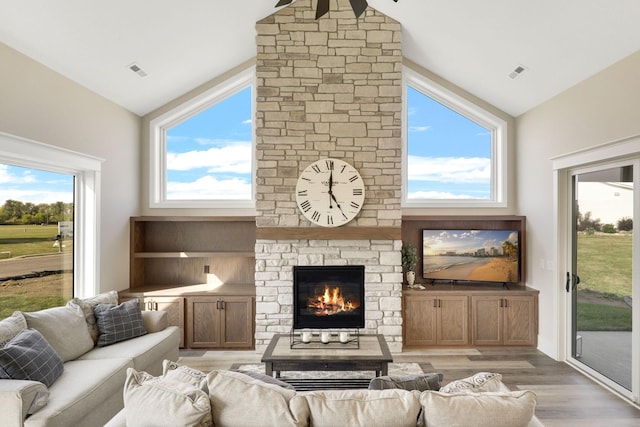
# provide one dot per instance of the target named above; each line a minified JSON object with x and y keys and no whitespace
{"x":330,"y":192}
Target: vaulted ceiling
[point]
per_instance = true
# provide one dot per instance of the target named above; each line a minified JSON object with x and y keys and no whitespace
{"x":182,"y":44}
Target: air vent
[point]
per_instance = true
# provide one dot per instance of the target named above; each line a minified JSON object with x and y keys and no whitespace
{"x":517,"y":71}
{"x":138,"y":70}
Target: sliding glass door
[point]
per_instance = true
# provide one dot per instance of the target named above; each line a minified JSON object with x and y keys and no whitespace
{"x":600,"y":281}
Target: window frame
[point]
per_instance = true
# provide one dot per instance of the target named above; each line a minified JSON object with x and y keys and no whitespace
{"x":158,"y":144}
{"x":86,"y":170}
{"x":462,"y":106}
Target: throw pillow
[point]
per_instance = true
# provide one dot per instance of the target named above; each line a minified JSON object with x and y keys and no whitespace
{"x":420,"y":382}
{"x":87,"y":304}
{"x":328,"y":408}
{"x":118,"y":322}
{"x":235,"y":396}
{"x":28,"y":356}
{"x":176,"y":372}
{"x":11,"y":326}
{"x":489,"y":409}
{"x":158,"y":401}
{"x":482,"y":381}
{"x":64,"y":328}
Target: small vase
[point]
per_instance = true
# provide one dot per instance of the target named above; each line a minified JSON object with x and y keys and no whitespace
{"x":411,"y":278}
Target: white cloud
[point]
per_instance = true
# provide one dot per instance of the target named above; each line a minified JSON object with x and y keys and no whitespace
{"x":209,"y":188}
{"x":449,"y":169}
{"x":246,"y":122}
{"x":6,"y":177}
{"x":36,"y":196}
{"x":437,"y":195}
{"x":235,"y":158}
{"x":419,"y":128}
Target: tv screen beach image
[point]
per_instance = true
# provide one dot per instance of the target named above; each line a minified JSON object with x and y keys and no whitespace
{"x":471,"y":255}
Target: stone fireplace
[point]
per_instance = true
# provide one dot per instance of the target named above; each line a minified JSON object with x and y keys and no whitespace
{"x":330,"y":87}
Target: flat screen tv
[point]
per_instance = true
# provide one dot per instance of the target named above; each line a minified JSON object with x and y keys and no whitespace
{"x":475,"y":255}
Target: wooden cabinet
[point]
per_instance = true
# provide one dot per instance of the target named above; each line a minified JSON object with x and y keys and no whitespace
{"x":201,"y":271}
{"x":470,"y":316}
{"x":181,"y":251}
{"x":432,"y":320}
{"x":220,"y":322}
{"x":504,"y":320}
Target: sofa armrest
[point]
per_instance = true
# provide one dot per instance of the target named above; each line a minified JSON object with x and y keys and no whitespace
{"x":155,"y":321}
{"x":19,"y":398}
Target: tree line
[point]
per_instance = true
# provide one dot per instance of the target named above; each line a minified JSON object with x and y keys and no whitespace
{"x":14,"y":212}
{"x":589,"y":224}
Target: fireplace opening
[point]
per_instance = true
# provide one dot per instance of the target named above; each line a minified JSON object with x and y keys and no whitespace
{"x":327,"y":297}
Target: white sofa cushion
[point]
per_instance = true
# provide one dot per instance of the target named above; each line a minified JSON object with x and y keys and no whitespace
{"x":28,"y":356}
{"x":239,"y":400}
{"x":64,"y":328}
{"x":176,"y":372}
{"x":160,"y":401}
{"x":147,"y":351}
{"x":11,"y":326}
{"x":329,"y":408}
{"x":87,"y":304}
{"x":88,"y":393}
{"x":488,"y":409}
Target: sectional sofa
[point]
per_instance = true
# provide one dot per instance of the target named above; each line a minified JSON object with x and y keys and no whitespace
{"x":80,"y":358}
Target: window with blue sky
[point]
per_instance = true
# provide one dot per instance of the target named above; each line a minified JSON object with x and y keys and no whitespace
{"x":209,"y":155}
{"x":449,"y":155}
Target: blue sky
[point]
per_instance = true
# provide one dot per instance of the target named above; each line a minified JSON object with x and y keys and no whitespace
{"x":209,"y":156}
{"x":34,"y":186}
{"x":449,"y":155}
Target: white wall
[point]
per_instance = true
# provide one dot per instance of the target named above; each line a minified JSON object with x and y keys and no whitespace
{"x":601,"y":109}
{"x":40,"y":104}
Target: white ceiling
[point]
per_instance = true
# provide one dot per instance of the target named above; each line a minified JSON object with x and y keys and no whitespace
{"x":182,"y":44}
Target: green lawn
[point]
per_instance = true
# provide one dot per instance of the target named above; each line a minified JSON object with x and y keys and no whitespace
{"x":604,"y":263}
{"x":20,"y":240}
{"x":605,"y":268}
{"x":9,"y":304}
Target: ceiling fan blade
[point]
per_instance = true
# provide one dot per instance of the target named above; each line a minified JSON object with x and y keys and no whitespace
{"x":322,"y":8}
{"x":358,"y":6}
{"x":283,"y":2}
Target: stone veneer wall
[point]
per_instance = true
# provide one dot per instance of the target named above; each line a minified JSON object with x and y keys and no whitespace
{"x":330,"y":87}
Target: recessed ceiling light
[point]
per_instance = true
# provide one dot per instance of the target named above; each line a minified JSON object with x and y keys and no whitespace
{"x":517,"y":71}
{"x":138,"y":70}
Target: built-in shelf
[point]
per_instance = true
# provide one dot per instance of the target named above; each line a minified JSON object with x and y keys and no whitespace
{"x":192,"y":254}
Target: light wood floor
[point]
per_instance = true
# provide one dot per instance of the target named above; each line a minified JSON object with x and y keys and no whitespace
{"x":565,"y":396}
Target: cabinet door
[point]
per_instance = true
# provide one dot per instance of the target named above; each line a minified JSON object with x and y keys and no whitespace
{"x":203,"y":322}
{"x":174,"y":306}
{"x":486,"y":320}
{"x":420,"y":320}
{"x":519,"y":320}
{"x":237,"y":322}
{"x":453,"y":320}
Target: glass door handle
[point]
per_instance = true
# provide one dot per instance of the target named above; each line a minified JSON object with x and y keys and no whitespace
{"x":576,"y":281}
{"x":568,"y":281}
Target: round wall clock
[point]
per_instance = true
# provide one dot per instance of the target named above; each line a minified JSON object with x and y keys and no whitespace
{"x":330,"y":192}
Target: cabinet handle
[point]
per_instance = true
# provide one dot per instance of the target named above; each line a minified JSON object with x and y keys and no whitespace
{"x":149,"y":305}
{"x":155,"y":306}
{"x":220,"y":305}
{"x":501,"y":302}
{"x":435,"y":303}
{"x":506,"y":302}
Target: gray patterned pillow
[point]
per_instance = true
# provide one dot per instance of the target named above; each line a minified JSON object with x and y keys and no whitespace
{"x":480,"y":382}
{"x":11,"y":326}
{"x":118,"y":322}
{"x":87,"y":304}
{"x":29,"y":356}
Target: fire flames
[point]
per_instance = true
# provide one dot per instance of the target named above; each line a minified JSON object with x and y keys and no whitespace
{"x":331,"y":302}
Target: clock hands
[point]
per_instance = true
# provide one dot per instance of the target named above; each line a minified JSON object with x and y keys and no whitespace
{"x":332,"y":197}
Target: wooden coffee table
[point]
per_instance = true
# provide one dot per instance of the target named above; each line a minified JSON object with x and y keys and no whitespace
{"x":372,"y":355}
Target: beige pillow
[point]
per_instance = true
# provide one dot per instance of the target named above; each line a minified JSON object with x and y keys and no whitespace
{"x":11,"y":326}
{"x":64,"y":328}
{"x":329,"y":408}
{"x":176,"y":372}
{"x":156,"y":401}
{"x":480,"y":382}
{"x":489,"y":409}
{"x":86,"y":305}
{"x":239,"y":400}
